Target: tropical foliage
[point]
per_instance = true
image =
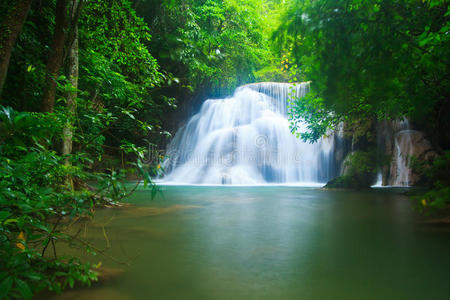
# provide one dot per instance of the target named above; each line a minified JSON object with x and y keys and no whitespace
{"x":380,"y":58}
{"x":89,"y":89}
{"x":367,"y":61}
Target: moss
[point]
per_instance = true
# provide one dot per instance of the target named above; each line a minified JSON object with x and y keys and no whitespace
{"x":342,"y":182}
{"x":361,"y":131}
{"x":359,"y":171}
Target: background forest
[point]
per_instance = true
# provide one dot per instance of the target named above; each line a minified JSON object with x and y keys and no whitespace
{"x":91,"y":89}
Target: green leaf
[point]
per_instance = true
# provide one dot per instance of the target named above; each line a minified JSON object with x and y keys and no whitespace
{"x":129,"y":114}
{"x":71,"y":282}
{"x":4,"y":215}
{"x":43,"y":227}
{"x":23,"y":288}
{"x":5,"y":287}
{"x":8,"y":221}
{"x":33,"y":276}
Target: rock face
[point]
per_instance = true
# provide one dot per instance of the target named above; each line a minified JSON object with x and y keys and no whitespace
{"x":398,"y":142}
{"x":408,"y":144}
{"x":356,"y":152}
{"x":358,"y":171}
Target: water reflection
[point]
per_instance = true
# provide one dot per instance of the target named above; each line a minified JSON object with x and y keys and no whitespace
{"x":272,"y":243}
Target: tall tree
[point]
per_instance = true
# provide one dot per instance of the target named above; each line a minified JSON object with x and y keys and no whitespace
{"x":10,"y":29}
{"x":72,"y":75}
{"x":55,"y":57}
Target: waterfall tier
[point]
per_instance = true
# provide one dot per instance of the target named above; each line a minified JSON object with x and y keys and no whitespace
{"x":398,"y":141}
{"x":246,"y":139}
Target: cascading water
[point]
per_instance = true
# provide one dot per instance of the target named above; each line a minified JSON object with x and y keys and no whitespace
{"x":379,"y":181}
{"x":396,"y":140}
{"x":246,"y":139}
{"x":403,"y":151}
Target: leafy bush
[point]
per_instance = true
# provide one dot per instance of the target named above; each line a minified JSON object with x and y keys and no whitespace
{"x":40,"y":197}
{"x":435,"y":176}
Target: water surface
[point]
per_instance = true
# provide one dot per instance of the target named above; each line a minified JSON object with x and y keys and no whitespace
{"x":195,"y":242}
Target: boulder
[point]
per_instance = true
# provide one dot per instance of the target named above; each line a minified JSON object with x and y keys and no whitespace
{"x":358,"y":171}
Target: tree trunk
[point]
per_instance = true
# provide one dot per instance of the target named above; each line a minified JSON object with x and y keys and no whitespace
{"x":72,"y":75}
{"x":9,"y":31}
{"x":55,"y":57}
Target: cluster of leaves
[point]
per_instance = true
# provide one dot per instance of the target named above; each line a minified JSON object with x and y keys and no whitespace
{"x":383,"y":58}
{"x":118,"y":75}
{"x":43,"y":193}
{"x":211,"y":44}
{"x":34,"y":193}
{"x":116,"y":80}
{"x":435,"y":175}
{"x":40,"y":197}
{"x":26,"y":73}
{"x":122,"y":37}
{"x":310,"y":120}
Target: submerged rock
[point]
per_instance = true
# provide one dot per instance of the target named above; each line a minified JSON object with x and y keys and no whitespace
{"x":107,"y":274}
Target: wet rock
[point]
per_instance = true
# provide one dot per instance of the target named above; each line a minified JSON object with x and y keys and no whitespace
{"x":408,"y":144}
{"x":358,"y":171}
{"x":398,"y":143}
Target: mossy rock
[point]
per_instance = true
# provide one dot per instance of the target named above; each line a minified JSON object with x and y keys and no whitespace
{"x":358,"y":172}
{"x":342,"y":182}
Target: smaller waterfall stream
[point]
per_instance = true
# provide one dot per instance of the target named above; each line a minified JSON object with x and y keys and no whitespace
{"x":403,"y":151}
{"x":379,"y":182}
{"x":246,"y":139}
{"x":395,"y":139}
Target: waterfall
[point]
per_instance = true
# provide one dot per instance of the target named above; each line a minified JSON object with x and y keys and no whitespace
{"x":395,"y":138}
{"x":403,"y":151}
{"x":246,"y":139}
{"x":379,"y":181}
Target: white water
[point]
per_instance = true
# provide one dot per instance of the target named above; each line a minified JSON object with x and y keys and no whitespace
{"x":396,"y":138}
{"x":379,"y":182}
{"x":404,"y":149}
{"x":246,"y":140}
